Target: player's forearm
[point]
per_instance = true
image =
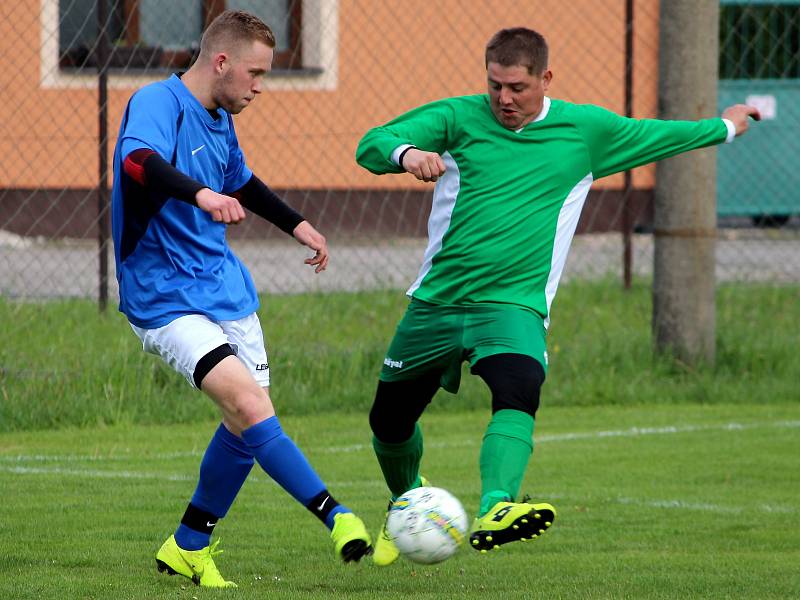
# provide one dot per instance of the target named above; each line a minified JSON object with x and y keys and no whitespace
{"x":148,"y":169}
{"x":375,"y":150}
{"x":257,"y":197}
{"x":425,"y":127}
{"x":649,"y":140}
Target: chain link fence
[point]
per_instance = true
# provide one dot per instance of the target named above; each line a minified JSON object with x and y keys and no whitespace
{"x":342,"y":66}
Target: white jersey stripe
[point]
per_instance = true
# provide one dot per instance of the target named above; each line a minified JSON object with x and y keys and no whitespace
{"x":565,"y":230}
{"x":444,"y":200}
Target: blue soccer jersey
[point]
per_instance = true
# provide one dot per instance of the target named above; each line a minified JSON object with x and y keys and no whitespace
{"x":172,"y":259}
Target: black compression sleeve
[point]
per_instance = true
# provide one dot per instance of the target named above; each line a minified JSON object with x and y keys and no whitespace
{"x":257,"y":197}
{"x":163,"y":177}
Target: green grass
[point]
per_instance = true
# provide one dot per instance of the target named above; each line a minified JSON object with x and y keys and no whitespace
{"x":693,"y":501}
{"x":62,"y":364}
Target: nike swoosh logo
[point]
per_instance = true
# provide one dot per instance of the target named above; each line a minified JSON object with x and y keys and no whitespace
{"x":196,"y":150}
{"x":321,"y":506}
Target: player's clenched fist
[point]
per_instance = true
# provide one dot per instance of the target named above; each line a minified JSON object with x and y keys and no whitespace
{"x":221,"y":207}
{"x":427,"y":166}
{"x":738,"y":114}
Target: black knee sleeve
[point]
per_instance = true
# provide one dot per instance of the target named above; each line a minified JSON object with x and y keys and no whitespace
{"x":398,"y":406}
{"x":209,"y":361}
{"x":515,"y":381}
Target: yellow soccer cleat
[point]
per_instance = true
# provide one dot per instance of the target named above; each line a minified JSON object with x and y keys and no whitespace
{"x":510,"y":522}
{"x":386,"y":551}
{"x":197,"y":565}
{"x":350,"y":538}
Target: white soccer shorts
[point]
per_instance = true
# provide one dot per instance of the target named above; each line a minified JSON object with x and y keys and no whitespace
{"x":184,"y":341}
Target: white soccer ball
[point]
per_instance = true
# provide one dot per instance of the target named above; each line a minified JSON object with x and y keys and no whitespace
{"x":427,"y":524}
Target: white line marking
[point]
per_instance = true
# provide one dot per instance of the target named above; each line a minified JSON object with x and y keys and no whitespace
{"x":672,"y":504}
{"x":669,"y":429}
{"x":589,"y":435}
{"x":703,"y":506}
{"x":96,"y":474}
{"x":540,"y":439}
{"x":97,"y":457}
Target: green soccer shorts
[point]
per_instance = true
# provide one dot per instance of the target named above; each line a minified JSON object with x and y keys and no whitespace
{"x":439,"y":337}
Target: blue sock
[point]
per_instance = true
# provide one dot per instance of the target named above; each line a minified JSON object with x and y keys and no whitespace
{"x":224,"y":469}
{"x":189,"y":539}
{"x":282,"y":460}
{"x":339,"y":509}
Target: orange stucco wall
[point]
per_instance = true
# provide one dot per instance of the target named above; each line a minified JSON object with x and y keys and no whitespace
{"x":392,"y":56}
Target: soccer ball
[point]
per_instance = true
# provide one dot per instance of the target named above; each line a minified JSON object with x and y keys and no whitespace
{"x":427,"y":524}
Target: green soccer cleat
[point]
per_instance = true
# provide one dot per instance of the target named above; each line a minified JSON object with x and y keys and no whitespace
{"x":197,"y":565}
{"x":350,"y":538}
{"x":510,"y":522}
{"x":386,"y":551}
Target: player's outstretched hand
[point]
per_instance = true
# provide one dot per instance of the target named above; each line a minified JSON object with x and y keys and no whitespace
{"x":738,"y":114}
{"x":426,"y":166}
{"x":219,"y":206}
{"x":308,"y":236}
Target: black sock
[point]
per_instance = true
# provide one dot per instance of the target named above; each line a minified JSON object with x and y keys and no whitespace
{"x":321,"y":505}
{"x":195,"y":529}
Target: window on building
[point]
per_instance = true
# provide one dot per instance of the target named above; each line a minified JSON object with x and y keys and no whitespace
{"x":146,"y":34}
{"x":759,"y":41}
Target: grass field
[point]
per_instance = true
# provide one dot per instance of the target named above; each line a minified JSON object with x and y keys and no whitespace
{"x":670,"y":481}
{"x":653,"y":501}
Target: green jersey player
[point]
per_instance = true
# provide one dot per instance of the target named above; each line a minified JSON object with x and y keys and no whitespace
{"x":513,"y":168}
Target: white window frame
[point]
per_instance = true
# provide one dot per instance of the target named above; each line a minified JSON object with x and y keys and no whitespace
{"x":320,"y":43}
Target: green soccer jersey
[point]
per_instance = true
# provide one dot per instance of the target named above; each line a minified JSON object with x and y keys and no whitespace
{"x":505,"y":211}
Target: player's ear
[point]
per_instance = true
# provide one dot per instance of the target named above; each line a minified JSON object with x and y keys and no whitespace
{"x":547,"y":77}
{"x":219,"y":61}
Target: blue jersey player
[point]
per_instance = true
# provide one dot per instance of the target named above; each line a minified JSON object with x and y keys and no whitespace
{"x":179,"y":179}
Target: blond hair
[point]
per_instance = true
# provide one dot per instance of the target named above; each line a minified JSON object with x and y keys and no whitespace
{"x":231,"y":28}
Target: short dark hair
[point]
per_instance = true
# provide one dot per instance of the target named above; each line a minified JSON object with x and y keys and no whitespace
{"x":518,"y":46}
{"x":232,"y":27}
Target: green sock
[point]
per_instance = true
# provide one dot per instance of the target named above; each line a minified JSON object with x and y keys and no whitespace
{"x":507,"y":447}
{"x":400,"y":462}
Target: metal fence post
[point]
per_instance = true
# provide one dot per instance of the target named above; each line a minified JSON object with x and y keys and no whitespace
{"x":627,"y":209}
{"x":103,"y":221}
